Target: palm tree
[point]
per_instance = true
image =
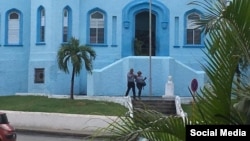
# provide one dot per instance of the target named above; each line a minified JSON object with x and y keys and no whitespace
{"x":226,"y":25}
{"x":75,"y":54}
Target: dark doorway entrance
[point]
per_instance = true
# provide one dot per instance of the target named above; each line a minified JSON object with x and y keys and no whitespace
{"x":141,"y":41}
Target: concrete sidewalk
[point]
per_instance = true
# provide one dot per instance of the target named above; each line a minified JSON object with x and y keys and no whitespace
{"x":58,"y":123}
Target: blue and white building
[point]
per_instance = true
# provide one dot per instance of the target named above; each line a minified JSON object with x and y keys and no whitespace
{"x":31,"y":32}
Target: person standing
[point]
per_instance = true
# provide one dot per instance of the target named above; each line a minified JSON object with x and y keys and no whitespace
{"x":131,"y":82}
{"x":140,"y":83}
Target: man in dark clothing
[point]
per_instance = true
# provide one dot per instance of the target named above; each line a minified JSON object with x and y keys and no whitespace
{"x":131,"y":82}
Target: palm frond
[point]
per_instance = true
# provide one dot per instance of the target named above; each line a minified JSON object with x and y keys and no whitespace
{"x":88,"y":55}
{"x":76,"y":54}
{"x":147,"y":124}
{"x":224,"y":52}
{"x":213,"y":10}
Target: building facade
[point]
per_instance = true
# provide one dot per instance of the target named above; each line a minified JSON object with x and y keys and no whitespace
{"x":31,"y":32}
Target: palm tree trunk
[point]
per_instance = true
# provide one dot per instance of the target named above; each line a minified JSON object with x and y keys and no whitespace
{"x":72,"y":84}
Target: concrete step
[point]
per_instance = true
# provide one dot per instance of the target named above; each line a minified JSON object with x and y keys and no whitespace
{"x":162,"y":105}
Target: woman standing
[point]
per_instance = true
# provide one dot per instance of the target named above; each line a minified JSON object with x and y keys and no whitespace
{"x":140,"y":83}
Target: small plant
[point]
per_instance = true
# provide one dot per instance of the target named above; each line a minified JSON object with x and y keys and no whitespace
{"x":138,"y":46}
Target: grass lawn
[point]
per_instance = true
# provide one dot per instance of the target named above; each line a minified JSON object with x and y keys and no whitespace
{"x":77,"y":106}
{"x":188,"y":108}
{"x":45,"y":104}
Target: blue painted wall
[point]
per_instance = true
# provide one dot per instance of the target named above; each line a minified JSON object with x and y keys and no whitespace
{"x":113,"y":78}
{"x":17,"y":62}
{"x":14,"y":58}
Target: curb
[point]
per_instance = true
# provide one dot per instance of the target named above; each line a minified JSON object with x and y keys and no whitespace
{"x":54,"y":132}
{"x":65,"y":133}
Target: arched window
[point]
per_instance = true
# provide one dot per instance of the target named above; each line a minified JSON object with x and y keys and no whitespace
{"x":41,"y":24}
{"x":67,"y":24}
{"x":97,"y":28}
{"x":13,"y":29}
{"x":193,"y":34}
